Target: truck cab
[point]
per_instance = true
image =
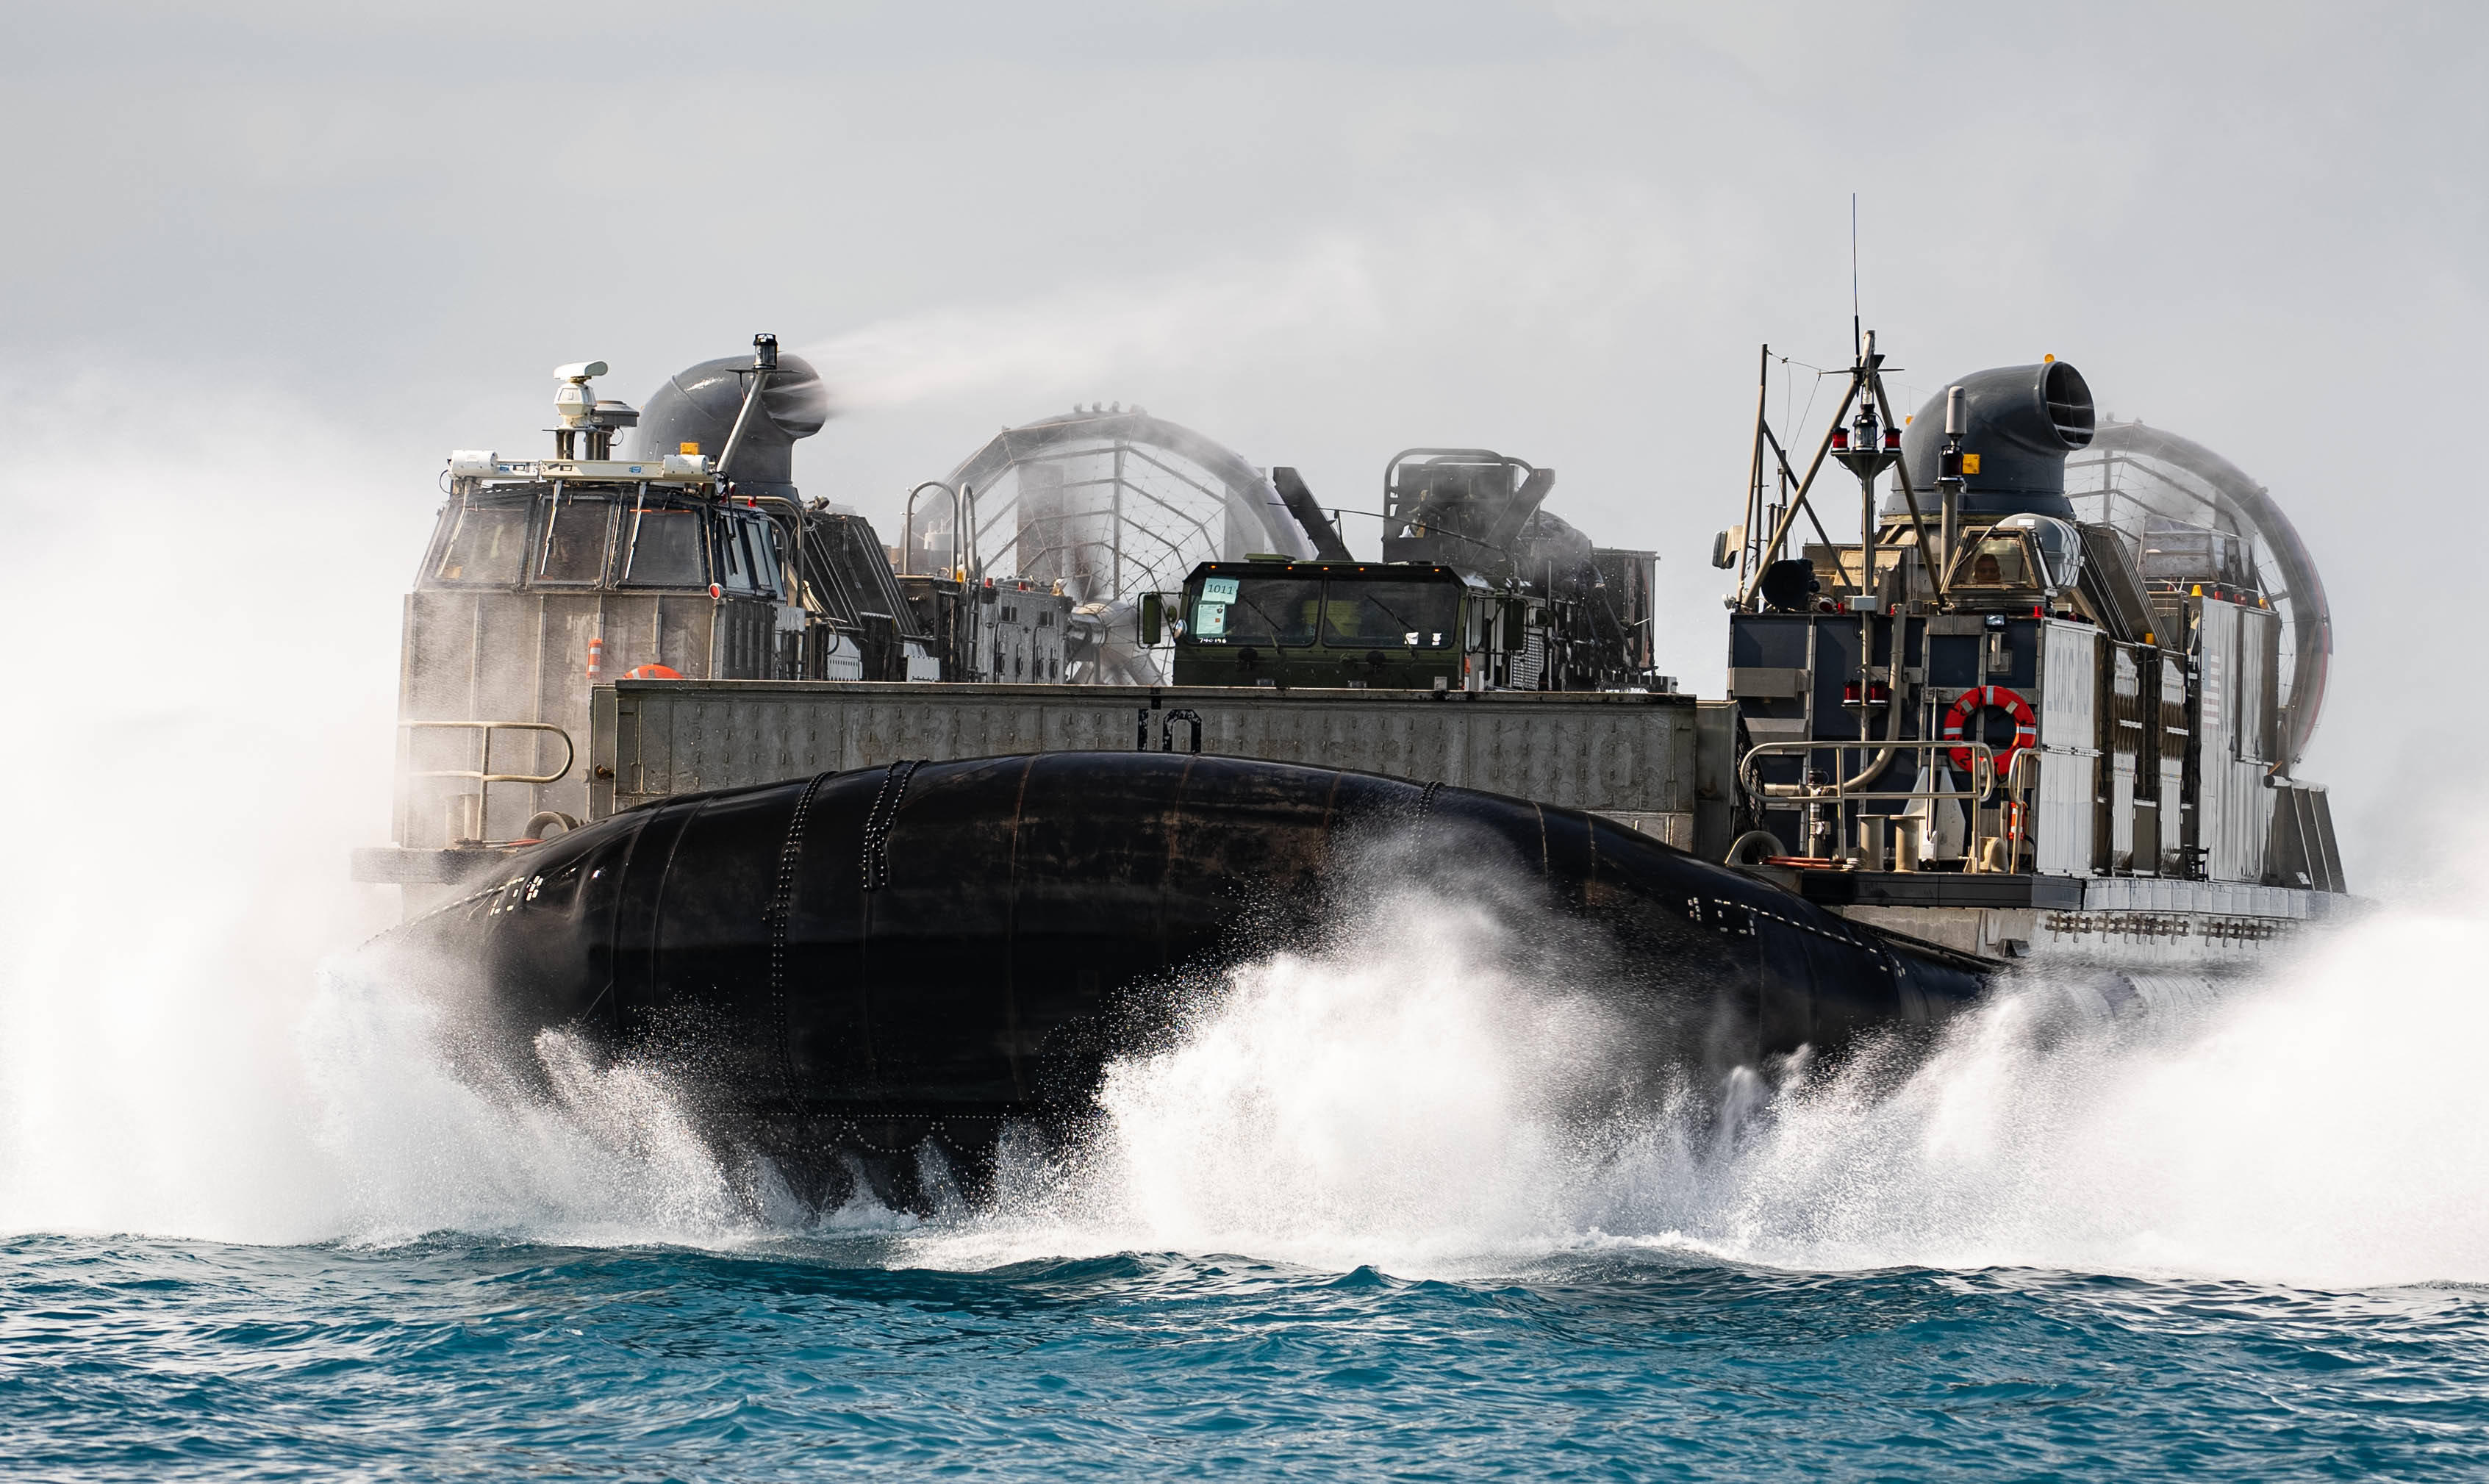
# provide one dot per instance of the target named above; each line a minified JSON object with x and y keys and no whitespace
{"x":1413,"y":626}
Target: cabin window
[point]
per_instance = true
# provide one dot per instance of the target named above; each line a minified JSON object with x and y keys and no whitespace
{"x":2176,"y":554}
{"x":574,"y":548}
{"x":765,"y":565}
{"x":1392,"y":616}
{"x":662,"y":549}
{"x":734,"y":569}
{"x":487,"y":547}
{"x":1995,"y":562}
{"x":743,"y":557}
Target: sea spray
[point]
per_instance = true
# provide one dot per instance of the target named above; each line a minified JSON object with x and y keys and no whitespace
{"x":195,"y":762}
{"x":1408,"y":1092}
{"x":2315,"y":1127}
{"x":1387,"y":1102}
{"x":563,"y":1144}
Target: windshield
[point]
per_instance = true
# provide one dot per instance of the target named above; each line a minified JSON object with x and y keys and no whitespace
{"x":1258,"y":610}
{"x":574,"y":549}
{"x":745,"y":557}
{"x":488,"y":544}
{"x":767,"y":572}
{"x":1392,"y":616}
{"x":1995,"y":562}
{"x":666,"y":551}
{"x":734,"y":565}
{"x":2057,"y":551}
{"x":2176,"y":554}
{"x":1296,"y":612}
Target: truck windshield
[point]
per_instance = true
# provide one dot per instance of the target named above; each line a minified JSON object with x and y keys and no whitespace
{"x":1392,"y":616}
{"x":1342,"y":612}
{"x":487,"y":546}
{"x":1258,"y":610}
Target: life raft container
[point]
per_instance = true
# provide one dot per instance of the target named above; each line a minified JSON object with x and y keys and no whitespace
{"x":1978,"y":699}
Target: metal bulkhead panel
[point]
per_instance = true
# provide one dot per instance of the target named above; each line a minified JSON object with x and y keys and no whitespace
{"x":2167,"y":765}
{"x":2066,"y":793}
{"x":2233,"y":723}
{"x":2210,"y":745}
{"x":2124,"y":739}
{"x":2069,"y":686}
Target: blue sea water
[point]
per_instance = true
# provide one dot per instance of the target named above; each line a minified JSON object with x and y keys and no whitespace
{"x":455,"y":1358}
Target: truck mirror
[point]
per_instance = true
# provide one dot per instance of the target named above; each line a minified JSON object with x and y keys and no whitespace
{"x":1516,"y":624}
{"x":1152,"y":619}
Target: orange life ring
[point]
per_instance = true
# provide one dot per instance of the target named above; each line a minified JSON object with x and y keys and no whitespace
{"x":653,"y":672}
{"x":1978,"y":699}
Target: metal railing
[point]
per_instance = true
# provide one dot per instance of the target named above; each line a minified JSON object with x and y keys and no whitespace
{"x":966,"y":564}
{"x":2015,"y":826}
{"x":482,"y":774}
{"x":1838,"y":795}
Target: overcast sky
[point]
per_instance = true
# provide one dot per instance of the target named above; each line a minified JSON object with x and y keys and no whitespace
{"x":347,"y":239}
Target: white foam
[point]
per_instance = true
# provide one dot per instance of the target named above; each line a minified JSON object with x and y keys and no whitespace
{"x":1394,"y":1102}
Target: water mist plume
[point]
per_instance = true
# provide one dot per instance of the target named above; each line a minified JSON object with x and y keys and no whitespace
{"x":1550,"y":261}
{"x":1085,"y":334}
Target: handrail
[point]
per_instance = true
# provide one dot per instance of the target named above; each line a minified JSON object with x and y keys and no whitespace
{"x":2016,"y":821}
{"x":907,"y":531}
{"x":1982,"y":773}
{"x":1983,"y":770}
{"x":484,"y":772}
